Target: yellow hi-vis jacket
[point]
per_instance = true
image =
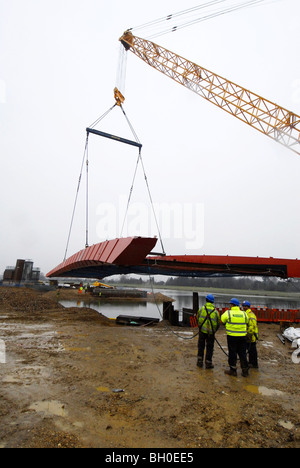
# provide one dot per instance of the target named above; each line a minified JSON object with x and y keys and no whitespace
{"x":236,"y":321}
{"x":252,"y":328}
{"x":208,"y":319}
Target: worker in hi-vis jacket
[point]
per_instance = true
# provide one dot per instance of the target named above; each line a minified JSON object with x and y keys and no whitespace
{"x":208,"y":321}
{"x":252,"y":336}
{"x":236,"y":322}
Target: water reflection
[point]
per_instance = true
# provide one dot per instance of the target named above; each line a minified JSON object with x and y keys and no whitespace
{"x":182,"y":299}
{"x":114,"y":308}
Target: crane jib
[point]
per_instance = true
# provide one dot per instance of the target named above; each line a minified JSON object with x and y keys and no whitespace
{"x":267,"y":117}
{"x":114,"y":137}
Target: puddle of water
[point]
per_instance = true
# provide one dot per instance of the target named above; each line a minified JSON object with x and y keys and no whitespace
{"x":50,"y":407}
{"x":260,"y":390}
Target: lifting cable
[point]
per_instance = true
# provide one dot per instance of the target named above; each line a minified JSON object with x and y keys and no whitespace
{"x":84,"y":159}
{"x":76,"y":197}
{"x":168,"y":326}
{"x":146,"y":180}
{"x":159,"y":311}
{"x":176,"y":15}
{"x":91,"y":129}
{"x":206,"y":16}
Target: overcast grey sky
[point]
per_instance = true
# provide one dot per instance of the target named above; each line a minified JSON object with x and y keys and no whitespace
{"x":234,"y":190}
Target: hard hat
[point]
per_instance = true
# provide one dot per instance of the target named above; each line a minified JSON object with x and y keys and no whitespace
{"x":235,"y":301}
{"x":246,"y":303}
{"x":210,"y":298}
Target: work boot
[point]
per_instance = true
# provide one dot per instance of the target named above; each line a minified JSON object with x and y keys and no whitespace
{"x":209,"y":365}
{"x":200,"y":362}
{"x":253,"y":366}
{"x":245,"y":372}
{"x":232,"y":372}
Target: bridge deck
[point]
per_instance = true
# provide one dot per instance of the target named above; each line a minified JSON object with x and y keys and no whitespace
{"x":132,"y":255}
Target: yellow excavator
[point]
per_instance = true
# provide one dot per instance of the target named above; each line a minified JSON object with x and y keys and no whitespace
{"x":265,"y":116}
{"x":97,"y":284}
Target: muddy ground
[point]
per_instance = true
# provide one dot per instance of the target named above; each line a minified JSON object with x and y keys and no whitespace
{"x":72,"y":378}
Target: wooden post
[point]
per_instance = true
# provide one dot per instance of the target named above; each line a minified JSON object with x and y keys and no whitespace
{"x":174,"y":317}
{"x":195,"y":302}
{"x":167,"y":306}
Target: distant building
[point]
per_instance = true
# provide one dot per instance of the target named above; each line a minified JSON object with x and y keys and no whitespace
{"x":22,"y":272}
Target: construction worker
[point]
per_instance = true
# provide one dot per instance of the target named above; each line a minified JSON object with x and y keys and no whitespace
{"x":252,"y":336}
{"x":236,"y":322}
{"x":208,"y":321}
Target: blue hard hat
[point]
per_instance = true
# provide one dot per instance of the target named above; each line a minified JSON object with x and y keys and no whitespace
{"x":246,"y":303}
{"x":235,"y":301}
{"x":210,"y":298}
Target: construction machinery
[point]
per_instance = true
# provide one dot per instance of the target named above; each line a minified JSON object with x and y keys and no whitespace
{"x":265,"y":116}
{"x":97,"y":284}
{"x":133,"y":255}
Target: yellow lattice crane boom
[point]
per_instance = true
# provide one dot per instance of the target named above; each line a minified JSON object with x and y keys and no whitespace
{"x":267,"y":117}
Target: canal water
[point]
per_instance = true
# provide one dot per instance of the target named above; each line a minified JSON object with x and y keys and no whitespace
{"x":182,"y":299}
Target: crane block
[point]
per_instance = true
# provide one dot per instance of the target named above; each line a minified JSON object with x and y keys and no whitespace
{"x":118,"y":97}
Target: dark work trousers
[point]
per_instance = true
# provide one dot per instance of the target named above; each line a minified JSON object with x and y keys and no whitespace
{"x":209,"y":341}
{"x":237,"y":347}
{"x":252,"y":354}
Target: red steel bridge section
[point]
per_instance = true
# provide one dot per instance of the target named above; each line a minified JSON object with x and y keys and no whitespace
{"x":133,"y":255}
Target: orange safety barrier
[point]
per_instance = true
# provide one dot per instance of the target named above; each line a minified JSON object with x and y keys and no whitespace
{"x":272,"y":315}
{"x":263,"y":315}
{"x":193,"y":321}
{"x":297,"y":315}
{"x":277,"y":315}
